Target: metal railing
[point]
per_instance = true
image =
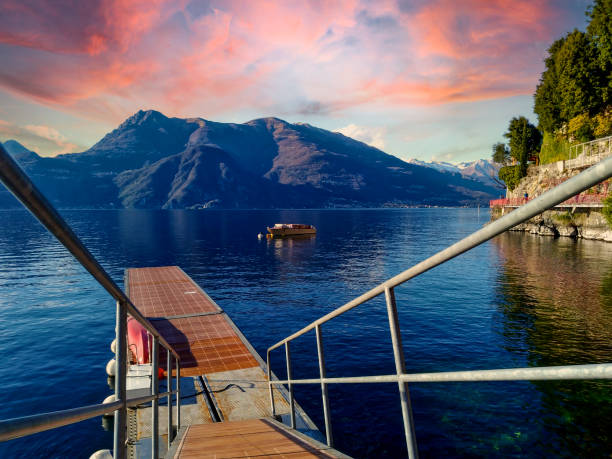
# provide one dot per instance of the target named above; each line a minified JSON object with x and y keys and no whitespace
{"x":581,"y":200}
{"x":22,"y":187}
{"x":588,"y":153}
{"x":551,"y":198}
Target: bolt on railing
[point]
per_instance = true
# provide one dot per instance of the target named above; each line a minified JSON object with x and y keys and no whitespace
{"x":25,"y":191}
{"x":559,"y":194}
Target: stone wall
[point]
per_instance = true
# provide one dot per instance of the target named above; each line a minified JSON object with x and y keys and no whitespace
{"x":586,"y":223}
{"x":542,"y":178}
{"x":582,"y":223}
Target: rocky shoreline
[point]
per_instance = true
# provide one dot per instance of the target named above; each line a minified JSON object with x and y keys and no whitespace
{"x":579,"y":224}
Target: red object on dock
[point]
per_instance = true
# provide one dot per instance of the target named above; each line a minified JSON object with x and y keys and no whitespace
{"x":138,"y":341}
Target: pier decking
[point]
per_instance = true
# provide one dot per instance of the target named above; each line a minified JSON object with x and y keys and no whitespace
{"x":222,"y":377}
{"x":189,"y":320}
{"x":254,"y":438}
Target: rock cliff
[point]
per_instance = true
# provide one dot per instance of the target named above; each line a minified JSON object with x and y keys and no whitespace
{"x":568,"y":221}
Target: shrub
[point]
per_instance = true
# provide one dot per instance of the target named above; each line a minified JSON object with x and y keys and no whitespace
{"x":602,"y":124}
{"x":580,"y":128}
{"x":554,"y":148}
{"x":511,"y":176}
{"x":607,"y":209}
{"x":565,"y":218}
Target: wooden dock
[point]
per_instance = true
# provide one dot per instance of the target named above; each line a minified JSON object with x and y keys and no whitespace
{"x":255,"y":438}
{"x":189,"y":320}
{"x":223,"y":379}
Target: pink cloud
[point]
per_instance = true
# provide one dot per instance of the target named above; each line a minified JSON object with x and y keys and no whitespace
{"x":479,"y":28}
{"x":109,"y":58}
{"x":76,"y":27}
{"x":44,"y":140}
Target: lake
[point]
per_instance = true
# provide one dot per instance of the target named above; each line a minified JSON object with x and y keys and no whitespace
{"x":518,"y":300}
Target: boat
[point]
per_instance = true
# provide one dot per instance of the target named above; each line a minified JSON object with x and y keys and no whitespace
{"x":290,"y":229}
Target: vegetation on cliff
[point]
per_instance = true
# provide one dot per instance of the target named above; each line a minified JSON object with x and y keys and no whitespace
{"x":607,"y":209}
{"x":524,"y":141}
{"x":573,"y":100}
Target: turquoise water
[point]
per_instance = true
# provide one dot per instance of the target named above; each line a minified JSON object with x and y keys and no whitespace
{"x":518,"y":300}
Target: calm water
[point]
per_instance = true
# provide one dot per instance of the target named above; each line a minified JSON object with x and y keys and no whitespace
{"x":518,"y":300}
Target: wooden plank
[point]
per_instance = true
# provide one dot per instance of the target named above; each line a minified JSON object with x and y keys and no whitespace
{"x":259,"y":437}
{"x":205,"y":343}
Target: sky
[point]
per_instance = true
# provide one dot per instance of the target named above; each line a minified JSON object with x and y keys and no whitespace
{"x":426,"y":79}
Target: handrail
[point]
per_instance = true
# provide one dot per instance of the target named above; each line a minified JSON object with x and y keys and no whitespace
{"x":553,"y":373}
{"x":24,"y":190}
{"x":28,"y":425}
{"x":22,"y":187}
{"x":573,"y":151}
{"x":564,"y":191}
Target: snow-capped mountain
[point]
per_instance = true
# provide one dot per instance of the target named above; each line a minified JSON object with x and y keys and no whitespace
{"x":482,"y":170}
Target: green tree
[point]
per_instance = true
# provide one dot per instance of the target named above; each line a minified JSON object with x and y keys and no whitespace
{"x":580,"y":128}
{"x":580,"y":83}
{"x":501,"y":154}
{"x":524,"y":140}
{"x":510,"y":175}
{"x":600,"y":32}
{"x":547,"y":101}
{"x":572,"y":83}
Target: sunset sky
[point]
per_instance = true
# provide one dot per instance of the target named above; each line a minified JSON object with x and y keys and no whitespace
{"x":437,"y":79}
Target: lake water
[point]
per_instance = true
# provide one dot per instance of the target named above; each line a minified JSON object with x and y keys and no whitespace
{"x":518,"y":300}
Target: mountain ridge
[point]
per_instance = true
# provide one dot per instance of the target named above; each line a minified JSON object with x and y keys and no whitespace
{"x":483,"y":170}
{"x":154,"y":161}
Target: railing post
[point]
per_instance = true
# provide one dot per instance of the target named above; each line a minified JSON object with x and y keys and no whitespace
{"x":120,"y":428}
{"x":169,"y":384}
{"x":400,"y":367}
{"x":272,"y":405}
{"x":178,"y":395}
{"x":155,"y":401}
{"x":291,"y":401}
{"x":324,"y":395}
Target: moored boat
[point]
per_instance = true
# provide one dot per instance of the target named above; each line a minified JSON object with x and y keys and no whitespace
{"x":290,"y":229}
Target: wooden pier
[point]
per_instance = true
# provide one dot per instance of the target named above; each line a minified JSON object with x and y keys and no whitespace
{"x":225,"y":402}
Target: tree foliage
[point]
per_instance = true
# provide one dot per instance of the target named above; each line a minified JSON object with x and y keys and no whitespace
{"x":602,"y":123}
{"x":600,"y":31}
{"x":573,"y":82}
{"x":501,"y":154}
{"x":524,"y":140}
{"x":510,"y":175}
{"x":607,"y":209}
{"x":577,"y":80}
{"x":580,"y":128}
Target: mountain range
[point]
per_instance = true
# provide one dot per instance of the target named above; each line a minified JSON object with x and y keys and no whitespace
{"x":153,"y":161}
{"x":483,"y":170}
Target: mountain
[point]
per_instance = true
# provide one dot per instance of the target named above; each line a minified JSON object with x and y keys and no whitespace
{"x":144,"y":138}
{"x":24,"y":158}
{"x":19,"y":152}
{"x":152,"y":161}
{"x":482,"y":170}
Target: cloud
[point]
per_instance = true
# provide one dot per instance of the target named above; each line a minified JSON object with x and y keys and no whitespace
{"x":44,"y":140}
{"x":374,"y":136}
{"x":108,"y":58}
{"x":458,"y":154}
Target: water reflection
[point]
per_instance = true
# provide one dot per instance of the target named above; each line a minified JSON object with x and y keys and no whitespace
{"x":292,"y":249}
{"x":555,"y":297}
